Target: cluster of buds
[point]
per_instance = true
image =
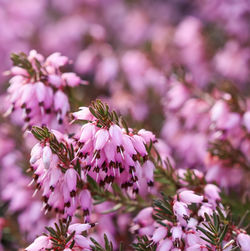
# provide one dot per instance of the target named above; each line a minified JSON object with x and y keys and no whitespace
{"x":65,"y":236}
{"x":112,"y":153}
{"x":190,"y":220}
{"x":102,"y":150}
{"x":37,"y":88}
{"x":58,"y":174}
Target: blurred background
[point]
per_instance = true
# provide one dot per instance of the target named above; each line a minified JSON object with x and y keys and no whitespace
{"x":162,"y":64}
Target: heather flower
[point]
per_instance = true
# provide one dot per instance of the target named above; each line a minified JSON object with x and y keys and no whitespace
{"x":40,"y":243}
{"x":16,"y":193}
{"x":106,"y":153}
{"x":244,"y":241}
{"x":55,"y":174}
{"x":37,"y":88}
{"x":210,"y":130}
{"x":246,"y":120}
{"x":110,"y":153}
{"x":68,"y":237}
{"x":212,"y":192}
{"x":189,"y":197}
{"x":177,"y":222}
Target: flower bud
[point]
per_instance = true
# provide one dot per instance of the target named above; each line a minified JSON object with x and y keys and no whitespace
{"x":189,"y":197}
{"x":116,"y":134}
{"x":244,"y":241}
{"x":159,"y":234}
{"x":47,"y":157}
{"x":79,"y":228}
{"x":102,"y":137}
{"x":70,"y":178}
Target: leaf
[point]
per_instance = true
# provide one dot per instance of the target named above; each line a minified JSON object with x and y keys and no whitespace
{"x":208,"y":234}
{"x":223,"y":233}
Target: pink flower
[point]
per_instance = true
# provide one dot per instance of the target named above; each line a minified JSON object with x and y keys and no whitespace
{"x":40,"y":243}
{"x":61,"y":105}
{"x":35,"y":153}
{"x":144,"y":217}
{"x":56,"y":60}
{"x":83,"y":114}
{"x":47,"y":157}
{"x":82,"y":241}
{"x":212,"y":192}
{"x":71,"y":79}
{"x":87,"y":132}
{"x":246,"y":120}
{"x":38,"y":93}
{"x":165,"y":245}
{"x":176,"y":232}
{"x":55,"y":80}
{"x":147,"y":135}
{"x":102,"y":137}
{"x":138,"y":143}
{"x":181,"y":210}
{"x":159,"y":234}
{"x":79,"y":228}
{"x":116,"y":134}
{"x":70,"y":178}
{"x":148,"y":170}
{"x":189,"y":197}
{"x":244,"y":241}
{"x":85,"y":201}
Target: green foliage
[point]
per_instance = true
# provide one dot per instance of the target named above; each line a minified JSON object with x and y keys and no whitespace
{"x":59,"y":236}
{"x":22,"y":61}
{"x":105,"y":116}
{"x":169,"y":179}
{"x":119,"y":197}
{"x":240,"y":209}
{"x":215,"y":228}
{"x":102,"y":113}
{"x":62,"y":150}
{"x":144,"y":244}
{"x":164,"y":210}
{"x":36,"y":72}
{"x":225,"y":151}
{"x":108,"y":245}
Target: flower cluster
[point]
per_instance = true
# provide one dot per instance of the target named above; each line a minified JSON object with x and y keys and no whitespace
{"x":61,"y":165}
{"x":57,"y":173}
{"x":192,"y":55}
{"x":15,"y":192}
{"x":205,"y":126}
{"x":112,"y":153}
{"x":37,"y":88}
{"x":190,"y":220}
{"x":64,"y":236}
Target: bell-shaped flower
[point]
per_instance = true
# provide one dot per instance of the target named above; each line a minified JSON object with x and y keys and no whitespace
{"x":159,"y":234}
{"x":40,"y":243}
{"x":47,"y":157}
{"x":79,"y":228}
{"x":82,"y":241}
{"x":101,"y":138}
{"x":116,"y":134}
{"x":35,"y":153}
{"x":165,"y":245}
{"x":71,"y":79}
{"x":212,"y":192}
{"x":244,"y":241}
{"x":70,"y":177}
{"x":190,"y":197}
